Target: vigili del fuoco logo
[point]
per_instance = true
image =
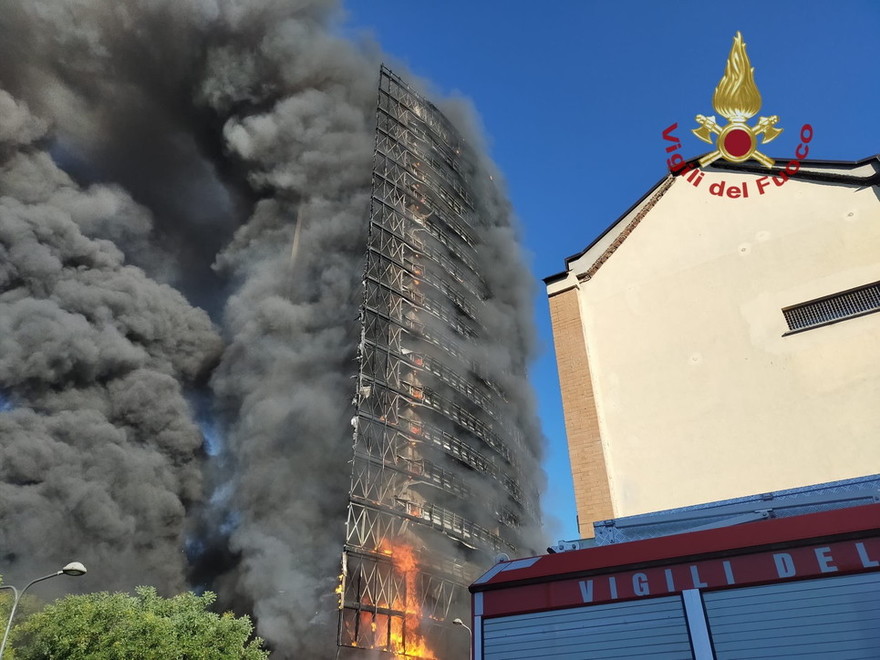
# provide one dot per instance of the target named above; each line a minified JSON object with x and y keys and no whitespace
{"x":737,"y":100}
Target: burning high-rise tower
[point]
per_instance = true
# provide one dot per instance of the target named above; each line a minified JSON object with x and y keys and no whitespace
{"x":437,"y":487}
{"x":160,"y":157}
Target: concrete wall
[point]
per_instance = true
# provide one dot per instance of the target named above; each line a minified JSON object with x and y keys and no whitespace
{"x":698,"y":393}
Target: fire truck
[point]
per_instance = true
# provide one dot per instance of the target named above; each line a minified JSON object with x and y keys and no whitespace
{"x":783,"y":584}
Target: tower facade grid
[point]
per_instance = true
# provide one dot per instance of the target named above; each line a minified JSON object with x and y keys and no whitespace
{"x":436,"y":489}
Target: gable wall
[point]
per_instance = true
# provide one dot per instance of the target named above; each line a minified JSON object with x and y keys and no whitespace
{"x":699,"y":395}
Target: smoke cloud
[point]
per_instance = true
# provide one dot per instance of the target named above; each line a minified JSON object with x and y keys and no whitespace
{"x":157,"y":159}
{"x":98,"y":452}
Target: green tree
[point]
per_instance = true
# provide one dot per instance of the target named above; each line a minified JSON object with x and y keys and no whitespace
{"x":103,"y":626}
{"x":26,"y":606}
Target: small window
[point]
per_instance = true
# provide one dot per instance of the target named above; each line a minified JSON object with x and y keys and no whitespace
{"x":837,"y":307}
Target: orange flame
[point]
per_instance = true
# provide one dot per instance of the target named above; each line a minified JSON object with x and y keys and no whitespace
{"x":340,"y":590}
{"x":406,"y":642}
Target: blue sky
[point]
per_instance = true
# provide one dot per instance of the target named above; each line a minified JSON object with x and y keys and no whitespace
{"x":574,"y":97}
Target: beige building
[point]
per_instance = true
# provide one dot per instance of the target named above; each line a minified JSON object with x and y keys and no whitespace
{"x":714,"y":346}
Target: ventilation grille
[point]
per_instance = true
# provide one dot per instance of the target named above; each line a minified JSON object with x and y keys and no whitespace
{"x":834,"y":308}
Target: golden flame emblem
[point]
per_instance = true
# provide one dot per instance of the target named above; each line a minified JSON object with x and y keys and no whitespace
{"x":737,"y":99}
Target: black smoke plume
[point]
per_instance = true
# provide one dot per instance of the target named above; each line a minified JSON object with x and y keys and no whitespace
{"x":157,"y":159}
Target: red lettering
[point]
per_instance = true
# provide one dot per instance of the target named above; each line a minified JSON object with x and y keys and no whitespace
{"x":676,"y":162}
{"x":667,"y":134}
{"x":717,"y":189}
{"x":808,"y":129}
{"x":797,"y":152}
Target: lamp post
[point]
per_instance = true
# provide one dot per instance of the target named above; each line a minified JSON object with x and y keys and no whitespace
{"x":457,"y":622}
{"x":74,"y":569}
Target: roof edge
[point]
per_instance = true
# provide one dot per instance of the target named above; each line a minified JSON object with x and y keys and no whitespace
{"x":562,"y":275}
{"x":748,"y":167}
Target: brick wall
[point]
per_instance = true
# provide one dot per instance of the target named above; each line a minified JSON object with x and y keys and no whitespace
{"x":591,"y":488}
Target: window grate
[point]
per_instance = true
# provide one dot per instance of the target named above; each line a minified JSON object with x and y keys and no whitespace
{"x":834,"y":308}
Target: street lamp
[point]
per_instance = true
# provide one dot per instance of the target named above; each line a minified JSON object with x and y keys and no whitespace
{"x":74,"y":569}
{"x":457,"y":622}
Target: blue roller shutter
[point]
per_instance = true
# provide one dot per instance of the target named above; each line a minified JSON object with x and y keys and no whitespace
{"x":652,"y":628}
{"x":834,"y":618}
